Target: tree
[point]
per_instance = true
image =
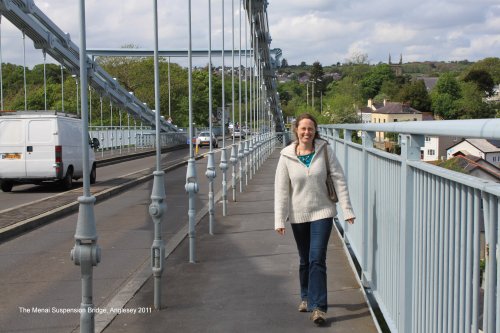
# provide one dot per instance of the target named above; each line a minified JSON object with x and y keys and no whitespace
{"x":340,"y":109}
{"x":445,"y":96}
{"x":389,"y":89}
{"x":483,"y":80}
{"x":448,"y":84}
{"x":444,"y":105}
{"x":284,"y":63}
{"x":317,"y":71}
{"x":347,"y":86}
{"x":490,"y":65}
{"x":372,"y":82}
{"x":415,"y":93}
{"x":356,"y":67}
{"x":317,"y":74}
{"x":471,"y":105}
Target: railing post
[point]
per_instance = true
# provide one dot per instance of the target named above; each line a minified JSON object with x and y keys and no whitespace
{"x":345,"y":166}
{"x":335,"y":136}
{"x":327,"y":132}
{"x":410,"y":151}
{"x":366,"y":219}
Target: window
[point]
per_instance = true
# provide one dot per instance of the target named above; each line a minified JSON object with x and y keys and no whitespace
{"x":395,"y":120}
{"x":427,"y":138}
{"x":414,"y":119}
{"x":431,"y":152}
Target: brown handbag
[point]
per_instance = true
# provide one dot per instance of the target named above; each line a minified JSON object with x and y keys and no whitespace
{"x":332,"y":194}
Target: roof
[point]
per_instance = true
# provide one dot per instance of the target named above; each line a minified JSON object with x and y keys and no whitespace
{"x":470,"y":163}
{"x":366,"y":110}
{"x":397,"y":108}
{"x":427,"y":116}
{"x":486,"y":146}
{"x":429,"y":82}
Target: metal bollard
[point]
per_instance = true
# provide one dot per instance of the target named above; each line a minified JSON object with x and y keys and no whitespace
{"x":234,"y":162}
{"x":210,"y":173}
{"x":86,"y":254}
{"x":241,"y":154}
{"x":157,"y":208}
{"x":223,"y":166}
{"x":192,"y":188}
{"x":246,"y":153}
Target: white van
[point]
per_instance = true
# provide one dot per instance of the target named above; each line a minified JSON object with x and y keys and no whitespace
{"x":42,"y":146}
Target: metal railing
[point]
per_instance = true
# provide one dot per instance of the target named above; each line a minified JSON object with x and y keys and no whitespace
{"x":418,"y":235}
{"x":117,"y":138}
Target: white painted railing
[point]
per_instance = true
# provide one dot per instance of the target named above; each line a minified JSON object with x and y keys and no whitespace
{"x":117,"y":137}
{"x":419,"y":231}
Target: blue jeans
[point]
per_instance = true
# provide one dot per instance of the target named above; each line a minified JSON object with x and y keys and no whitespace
{"x":312,"y":241}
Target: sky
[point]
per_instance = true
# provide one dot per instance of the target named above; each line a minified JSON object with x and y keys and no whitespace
{"x":328,"y":31}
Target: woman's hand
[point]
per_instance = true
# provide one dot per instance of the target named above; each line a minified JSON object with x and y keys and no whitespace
{"x":281,"y":231}
{"x":351,"y":220}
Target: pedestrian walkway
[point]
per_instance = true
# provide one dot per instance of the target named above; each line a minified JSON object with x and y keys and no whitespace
{"x":245,"y":278}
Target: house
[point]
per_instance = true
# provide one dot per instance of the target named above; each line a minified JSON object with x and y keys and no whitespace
{"x":496,"y":95}
{"x":477,"y":167}
{"x":429,"y":82}
{"x":365,"y":113}
{"x":435,"y":147}
{"x":489,"y":150}
{"x":393,"y":112}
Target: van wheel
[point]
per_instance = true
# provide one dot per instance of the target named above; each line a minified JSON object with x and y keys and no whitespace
{"x":93,"y":174}
{"x":6,"y":186}
{"x":67,"y":181}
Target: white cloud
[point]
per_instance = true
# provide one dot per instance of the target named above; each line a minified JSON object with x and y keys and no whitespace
{"x":324,"y":30}
{"x":392,"y":33}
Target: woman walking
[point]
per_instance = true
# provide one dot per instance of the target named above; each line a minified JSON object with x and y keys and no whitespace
{"x":301,"y":197}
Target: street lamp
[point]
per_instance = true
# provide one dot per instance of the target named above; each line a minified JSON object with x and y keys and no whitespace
{"x":307,"y":93}
{"x":313,"y":82}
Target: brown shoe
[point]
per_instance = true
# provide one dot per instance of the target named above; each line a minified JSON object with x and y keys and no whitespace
{"x":318,"y":317}
{"x":303,"y":306}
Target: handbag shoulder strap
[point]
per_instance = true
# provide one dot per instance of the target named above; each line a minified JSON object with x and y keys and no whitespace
{"x":327,"y":161}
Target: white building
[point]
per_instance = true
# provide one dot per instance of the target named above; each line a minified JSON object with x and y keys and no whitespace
{"x":489,"y":150}
{"x":435,"y":148}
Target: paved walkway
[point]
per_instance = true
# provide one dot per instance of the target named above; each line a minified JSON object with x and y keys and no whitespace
{"x":245,"y":278}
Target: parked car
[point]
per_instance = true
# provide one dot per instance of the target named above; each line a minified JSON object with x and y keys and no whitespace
{"x":204,"y":139}
{"x":238,"y":133}
{"x":40,"y":147}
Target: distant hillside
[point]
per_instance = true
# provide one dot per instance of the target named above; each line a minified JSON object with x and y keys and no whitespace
{"x":426,"y":68}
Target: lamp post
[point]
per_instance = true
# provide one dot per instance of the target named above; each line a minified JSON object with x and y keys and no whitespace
{"x":313,"y":82}
{"x":307,"y":93}
{"x":158,"y":206}
{"x":210,"y":173}
{"x":223,"y":159}
{"x":234,"y":148}
{"x":191,"y":179}
{"x":241,"y":144}
{"x":86,"y":253}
